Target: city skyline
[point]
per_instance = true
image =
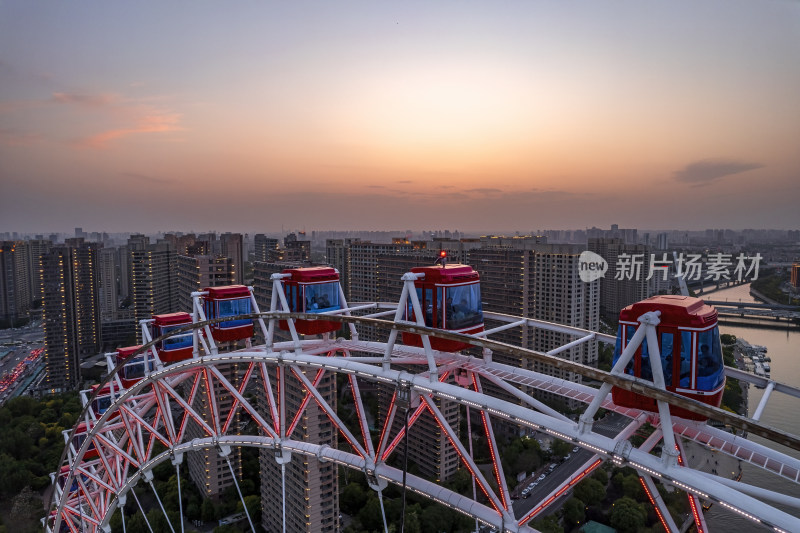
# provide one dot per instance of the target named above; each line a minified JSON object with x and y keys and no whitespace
{"x":473,"y":117}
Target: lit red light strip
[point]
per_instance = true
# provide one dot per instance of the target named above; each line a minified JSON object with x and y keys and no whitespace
{"x":353,"y":444}
{"x":303,"y":405}
{"x":561,"y":491}
{"x":464,"y":460}
{"x":240,"y":390}
{"x":490,"y":441}
{"x":386,"y":423}
{"x":653,"y":503}
{"x":417,"y":412}
{"x":273,"y":411}
{"x":692,"y":499}
{"x":357,"y":403}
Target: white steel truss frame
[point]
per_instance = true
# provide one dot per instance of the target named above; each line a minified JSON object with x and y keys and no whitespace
{"x":119,"y":448}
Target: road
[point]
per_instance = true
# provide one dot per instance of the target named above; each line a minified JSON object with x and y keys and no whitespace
{"x":610,"y":426}
{"x":17,"y":344}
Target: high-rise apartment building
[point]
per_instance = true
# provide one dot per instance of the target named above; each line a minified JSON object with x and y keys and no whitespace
{"x":263,"y":246}
{"x":107,"y":283}
{"x":15,"y":295}
{"x":210,"y":472}
{"x":538,"y":281}
{"x":70,"y":311}
{"x":153,"y":280}
{"x":295,"y":249}
{"x":362,"y":267}
{"x":626,"y":281}
{"x":312,"y":488}
{"x":231,"y":246}
{"x":200,"y":271}
{"x":35,"y":249}
{"x":312,"y":491}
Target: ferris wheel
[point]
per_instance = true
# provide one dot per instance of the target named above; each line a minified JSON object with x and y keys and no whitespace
{"x":198,"y":382}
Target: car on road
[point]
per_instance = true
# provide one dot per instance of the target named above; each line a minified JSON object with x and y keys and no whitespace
{"x":575,"y":449}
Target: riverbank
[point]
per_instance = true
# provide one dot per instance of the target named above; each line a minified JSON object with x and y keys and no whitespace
{"x":763,"y":297}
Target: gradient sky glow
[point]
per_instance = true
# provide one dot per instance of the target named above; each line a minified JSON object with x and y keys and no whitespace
{"x":479,"y":116}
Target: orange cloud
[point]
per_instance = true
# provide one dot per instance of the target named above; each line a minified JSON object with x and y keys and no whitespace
{"x":156,"y":122}
{"x":130,"y":116}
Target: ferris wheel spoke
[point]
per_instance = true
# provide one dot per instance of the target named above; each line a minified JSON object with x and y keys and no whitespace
{"x":210,"y":397}
{"x":464,"y":455}
{"x":694,"y":501}
{"x":414,"y":417}
{"x":387,"y":425}
{"x":360,"y":413}
{"x":141,"y":510}
{"x":658,"y":503}
{"x":236,"y":392}
{"x":166,"y":412}
{"x":304,"y":403}
{"x":245,"y":405}
{"x":497,"y":465}
{"x":142,"y":423}
{"x":334,"y":418}
{"x":188,"y":409}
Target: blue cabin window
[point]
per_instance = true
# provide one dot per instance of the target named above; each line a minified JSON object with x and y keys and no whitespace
{"x":322,"y":297}
{"x":135,"y":369}
{"x":686,"y":359}
{"x":237,"y":306}
{"x":667,"y":347}
{"x":426,"y":302}
{"x":709,"y":360}
{"x":617,"y":346}
{"x":102,"y":403}
{"x":291,"y":297}
{"x":629,"y":332}
{"x":463,"y":306}
{"x":184,"y":340}
{"x":645,"y":371}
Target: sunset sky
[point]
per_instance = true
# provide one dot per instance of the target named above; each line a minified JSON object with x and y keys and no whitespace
{"x":478,"y":116}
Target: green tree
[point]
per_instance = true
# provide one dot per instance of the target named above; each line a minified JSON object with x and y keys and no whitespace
{"x":207,"y":511}
{"x":601,"y":475}
{"x":352,"y":498}
{"x":574,"y":512}
{"x":632,"y":487}
{"x":435,"y":519}
{"x":370,"y":515}
{"x":548,"y":524}
{"x":590,"y":491}
{"x":412,"y":524}
{"x":560,"y":448}
{"x":627,"y":516}
{"x":135,"y":524}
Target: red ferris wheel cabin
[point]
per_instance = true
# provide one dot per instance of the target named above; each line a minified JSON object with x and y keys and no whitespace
{"x":312,"y":290}
{"x":229,"y":301}
{"x":178,"y":347}
{"x":450,"y":297}
{"x":689,"y":345}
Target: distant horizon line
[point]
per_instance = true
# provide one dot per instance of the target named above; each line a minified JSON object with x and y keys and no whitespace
{"x":482,"y":233}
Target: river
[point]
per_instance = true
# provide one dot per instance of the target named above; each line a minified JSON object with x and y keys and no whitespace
{"x":783,"y":345}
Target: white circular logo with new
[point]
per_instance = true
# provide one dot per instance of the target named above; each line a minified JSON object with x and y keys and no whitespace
{"x":591,"y":266}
